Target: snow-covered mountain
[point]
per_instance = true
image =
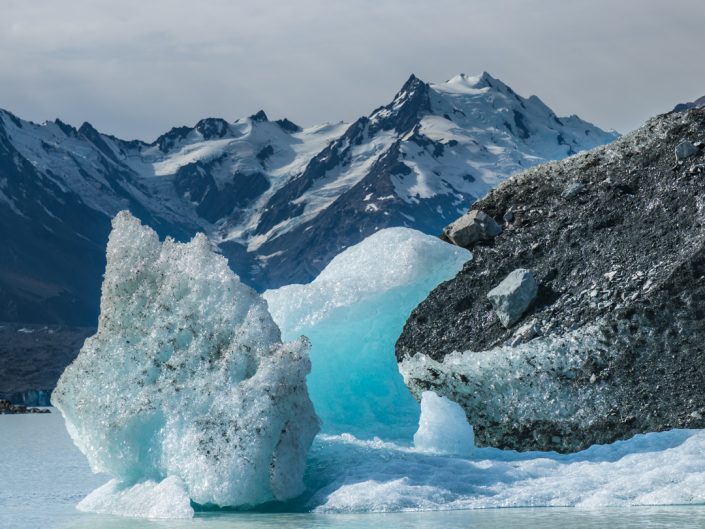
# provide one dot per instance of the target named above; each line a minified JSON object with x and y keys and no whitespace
{"x":280,"y":201}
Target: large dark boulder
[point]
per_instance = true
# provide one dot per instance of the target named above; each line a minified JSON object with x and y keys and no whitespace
{"x":614,"y":343}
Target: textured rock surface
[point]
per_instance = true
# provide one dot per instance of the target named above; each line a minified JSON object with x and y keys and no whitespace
{"x":685,"y":150}
{"x":513,"y":296}
{"x":471,"y":228}
{"x":613,"y":344}
{"x":187,"y":376}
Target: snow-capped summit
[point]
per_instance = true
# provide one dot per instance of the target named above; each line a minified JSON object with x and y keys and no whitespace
{"x":279,"y":200}
{"x":403,"y":113}
{"x":462,"y":83}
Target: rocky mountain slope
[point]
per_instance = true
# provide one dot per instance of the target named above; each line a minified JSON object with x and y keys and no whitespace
{"x":279,"y":201}
{"x":611,"y":344}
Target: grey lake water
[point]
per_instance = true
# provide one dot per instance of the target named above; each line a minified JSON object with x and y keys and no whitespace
{"x":43,"y":476}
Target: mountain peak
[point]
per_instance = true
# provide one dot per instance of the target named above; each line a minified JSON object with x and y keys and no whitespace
{"x":211,"y":128}
{"x":259,"y":117}
{"x":412,"y":81}
{"x":288,"y":126}
{"x":87,"y":129}
{"x":409,"y":104}
{"x":170,"y":139}
{"x":67,"y":129}
{"x":9,"y":115}
{"x":412,"y":85}
{"x":469,"y":83}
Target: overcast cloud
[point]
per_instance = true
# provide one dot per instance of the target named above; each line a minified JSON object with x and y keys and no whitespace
{"x":135,"y":68}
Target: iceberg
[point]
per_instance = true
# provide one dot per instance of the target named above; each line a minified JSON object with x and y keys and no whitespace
{"x":186,"y":380}
{"x":353,"y":313}
{"x":186,"y":395}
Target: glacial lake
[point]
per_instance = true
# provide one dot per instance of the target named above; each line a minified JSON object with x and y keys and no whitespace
{"x":43,"y":476}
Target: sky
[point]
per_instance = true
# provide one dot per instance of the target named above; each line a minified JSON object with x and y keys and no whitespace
{"x":135,"y":68}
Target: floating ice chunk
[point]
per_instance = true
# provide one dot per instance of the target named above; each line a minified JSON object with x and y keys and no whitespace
{"x":443,"y":427}
{"x":149,"y":499}
{"x":187,"y":377}
{"x":665,"y":468}
{"x":353,"y":313}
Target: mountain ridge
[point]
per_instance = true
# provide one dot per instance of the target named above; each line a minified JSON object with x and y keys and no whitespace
{"x":279,"y":200}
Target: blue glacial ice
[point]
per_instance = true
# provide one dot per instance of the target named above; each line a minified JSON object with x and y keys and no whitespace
{"x":187,"y":393}
{"x":353,"y":313}
{"x":186,"y":377}
{"x":376,"y":454}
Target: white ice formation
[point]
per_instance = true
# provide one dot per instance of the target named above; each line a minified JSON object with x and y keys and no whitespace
{"x":665,"y":468}
{"x":353,"y":313}
{"x":443,"y":427}
{"x":187,"y":378}
{"x":167,"y":499}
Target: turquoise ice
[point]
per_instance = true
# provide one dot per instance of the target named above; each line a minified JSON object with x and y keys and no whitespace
{"x":353,"y":313}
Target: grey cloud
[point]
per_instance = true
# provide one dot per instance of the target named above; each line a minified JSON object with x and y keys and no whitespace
{"x":136,"y":68}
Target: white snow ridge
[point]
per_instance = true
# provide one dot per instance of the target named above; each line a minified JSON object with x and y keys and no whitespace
{"x":186,"y":380}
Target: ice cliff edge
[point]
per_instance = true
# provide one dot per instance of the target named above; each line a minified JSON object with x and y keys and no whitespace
{"x":187,"y":377}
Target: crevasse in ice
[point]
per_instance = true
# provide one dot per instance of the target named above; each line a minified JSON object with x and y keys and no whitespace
{"x":187,"y":377}
{"x":353,"y":313}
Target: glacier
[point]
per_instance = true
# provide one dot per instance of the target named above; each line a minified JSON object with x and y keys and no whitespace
{"x":353,"y":313}
{"x":186,"y":379}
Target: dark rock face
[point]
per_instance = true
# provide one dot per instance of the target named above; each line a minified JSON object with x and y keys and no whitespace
{"x":32,"y":358}
{"x":259,"y":117}
{"x":212,"y":128}
{"x":172,"y":138}
{"x":195,"y":182}
{"x":613,"y":344}
{"x":288,"y":126}
{"x":402,"y":114}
